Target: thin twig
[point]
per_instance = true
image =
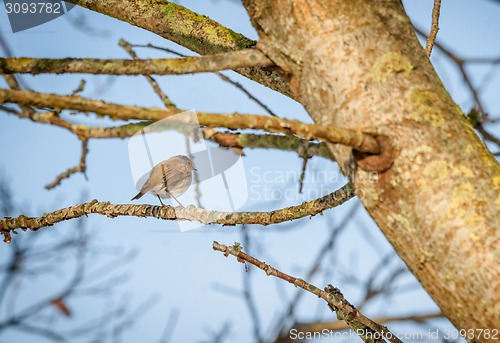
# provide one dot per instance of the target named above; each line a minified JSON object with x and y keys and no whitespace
{"x":10,"y":110}
{"x":80,"y":88}
{"x":164,"y":98}
{"x":219,"y":74}
{"x":434,"y":27}
{"x":131,"y":318}
{"x":170,"y":325}
{"x":11,"y":80}
{"x":315,"y":266}
{"x":80,"y":168}
{"x":30,"y":262}
{"x":368,"y":330}
{"x":303,"y":172}
{"x":461,"y":63}
{"x":247,"y":290}
{"x":196,"y":176}
{"x":244,"y":90}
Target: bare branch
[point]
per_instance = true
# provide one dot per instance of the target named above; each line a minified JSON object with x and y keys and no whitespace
{"x":303,"y":172}
{"x":268,"y":141}
{"x":363,"y":326}
{"x":168,"y":103}
{"x":321,"y":254}
{"x":80,"y":168}
{"x":434,"y":28}
{"x":28,"y":261}
{"x":170,"y":326}
{"x":164,"y":66}
{"x":191,"y":213}
{"x":479,"y":113}
{"x":247,"y":292}
{"x":14,"y":84}
{"x":219,"y":74}
{"x":164,"y":98}
{"x":188,"y":29}
{"x":356,"y":139}
{"x":80,"y":88}
{"x":244,"y":90}
{"x":225,"y":139}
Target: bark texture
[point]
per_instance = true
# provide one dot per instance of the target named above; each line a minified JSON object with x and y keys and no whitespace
{"x":358,"y":64}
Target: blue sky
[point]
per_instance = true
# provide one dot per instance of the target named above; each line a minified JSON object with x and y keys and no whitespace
{"x":180,"y":268}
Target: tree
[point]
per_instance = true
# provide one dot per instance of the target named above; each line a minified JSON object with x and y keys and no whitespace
{"x":75,"y":260}
{"x":412,"y":157}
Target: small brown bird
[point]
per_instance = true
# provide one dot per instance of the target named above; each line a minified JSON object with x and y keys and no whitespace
{"x":169,"y":178}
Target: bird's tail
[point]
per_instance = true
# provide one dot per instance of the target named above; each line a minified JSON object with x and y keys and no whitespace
{"x":140,"y":194}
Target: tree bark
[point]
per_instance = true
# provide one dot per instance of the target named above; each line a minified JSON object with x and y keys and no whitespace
{"x":358,"y":64}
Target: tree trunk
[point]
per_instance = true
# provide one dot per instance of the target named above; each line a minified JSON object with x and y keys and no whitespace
{"x":358,"y":64}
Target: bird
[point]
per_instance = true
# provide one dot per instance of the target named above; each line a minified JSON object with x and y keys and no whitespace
{"x":169,"y":179}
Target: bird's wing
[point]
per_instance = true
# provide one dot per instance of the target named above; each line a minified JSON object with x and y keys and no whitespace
{"x":163,"y":176}
{"x":173,"y":179}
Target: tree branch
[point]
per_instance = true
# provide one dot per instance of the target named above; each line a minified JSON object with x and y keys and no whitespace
{"x":355,"y":139}
{"x":287,"y":143}
{"x":434,"y":28}
{"x":191,"y":213}
{"x":164,"y":66}
{"x":479,"y":114}
{"x":164,"y":98}
{"x":81,"y":167}
{"x":225,"y":139}
{"x":364,"y":327}
{"x":188,"y":29}
{"x":219,"y":74}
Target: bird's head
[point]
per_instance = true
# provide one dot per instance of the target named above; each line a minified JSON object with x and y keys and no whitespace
{"x":185,"y":163}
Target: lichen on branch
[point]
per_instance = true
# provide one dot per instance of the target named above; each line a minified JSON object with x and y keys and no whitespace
{"x":190,"y":213}
{"x":165,"y":66}
{"x":356,"y":139}
{"x":189,"y":29}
